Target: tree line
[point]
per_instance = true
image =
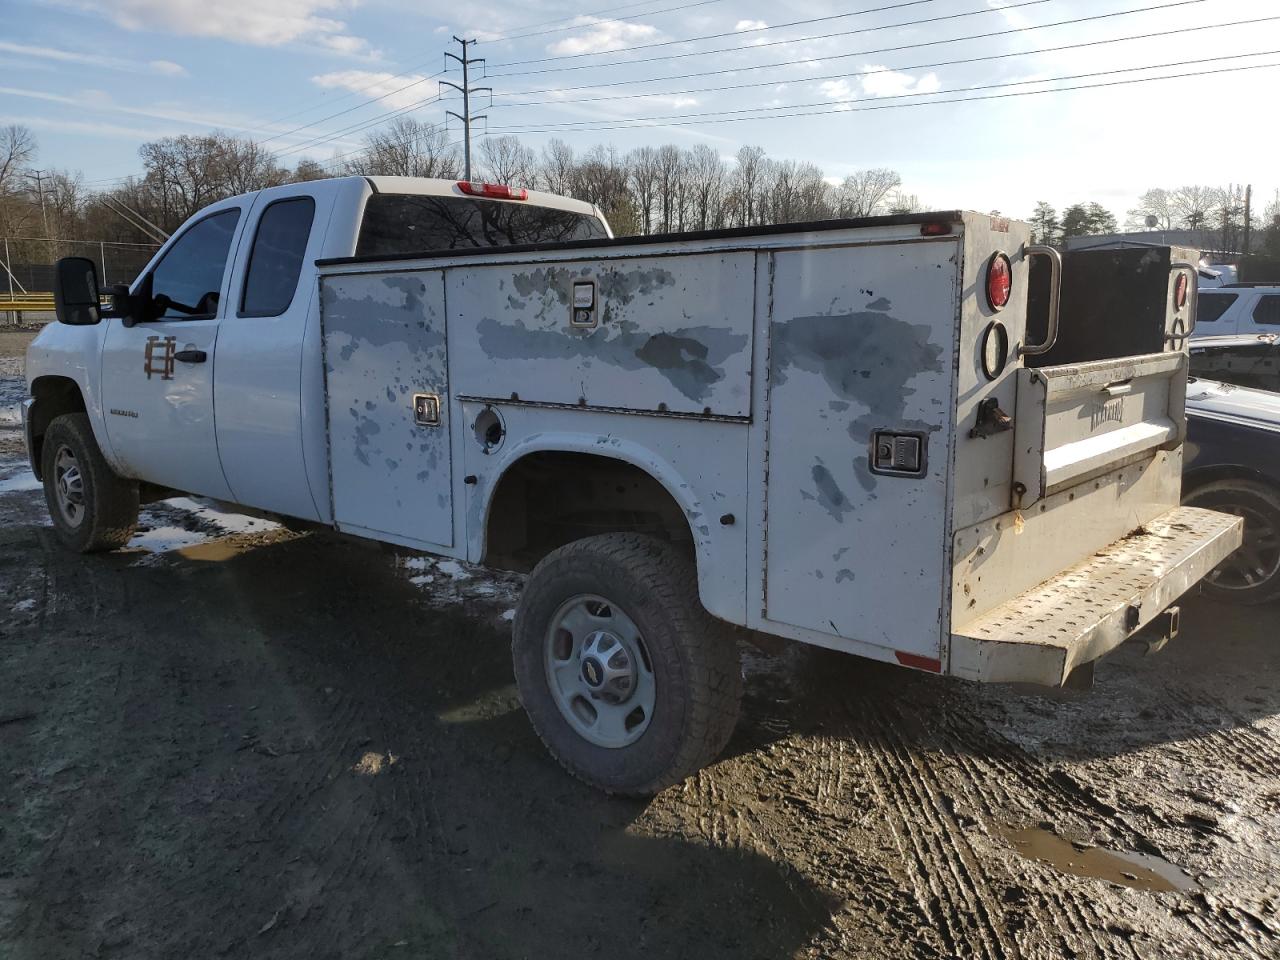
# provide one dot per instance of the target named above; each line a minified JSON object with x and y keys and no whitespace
{"x":650,"y":189}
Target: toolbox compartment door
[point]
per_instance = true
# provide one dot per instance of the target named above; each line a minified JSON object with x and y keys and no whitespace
{"x":387,"y":389}
{"x":1078,"y":421}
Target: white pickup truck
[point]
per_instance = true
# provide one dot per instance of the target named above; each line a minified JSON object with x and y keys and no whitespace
{"x":861,"y":434}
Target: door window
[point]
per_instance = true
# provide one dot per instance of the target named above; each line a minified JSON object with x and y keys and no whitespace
{"x":190,"y":274}
{"x":1212,"y":306}
{"x":276,"y":258}
{"x":1268,"y":310}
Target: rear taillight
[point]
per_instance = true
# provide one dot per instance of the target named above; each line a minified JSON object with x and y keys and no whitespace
{"x":494,"y":191}
{"x":999,"y":281}
{"x":1180,"y":292}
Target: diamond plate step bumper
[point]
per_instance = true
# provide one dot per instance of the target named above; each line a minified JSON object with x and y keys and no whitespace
{"x":1092,"y":607}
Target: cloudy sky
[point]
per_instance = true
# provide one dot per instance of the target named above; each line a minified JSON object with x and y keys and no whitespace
{"x":944,"y":91}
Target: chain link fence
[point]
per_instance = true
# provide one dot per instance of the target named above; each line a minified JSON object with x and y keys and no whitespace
{"x":26,"y":266}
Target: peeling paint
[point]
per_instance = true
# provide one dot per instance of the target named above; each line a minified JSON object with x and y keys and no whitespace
{"x":830,"y":496}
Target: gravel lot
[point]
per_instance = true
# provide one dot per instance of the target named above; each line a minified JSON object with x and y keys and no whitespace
{"x":231,"y":740}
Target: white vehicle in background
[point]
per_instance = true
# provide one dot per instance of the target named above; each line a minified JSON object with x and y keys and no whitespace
{"x":851,"y":433}
{"x":1239,"y":309}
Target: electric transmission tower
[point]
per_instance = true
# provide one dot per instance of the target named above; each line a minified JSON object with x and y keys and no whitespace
{"x":466,"y":90}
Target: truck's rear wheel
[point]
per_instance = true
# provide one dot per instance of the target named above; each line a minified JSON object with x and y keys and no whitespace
{"x":629,"y":682}
{"x":1252,"y":573}
{"x":92,"y":508}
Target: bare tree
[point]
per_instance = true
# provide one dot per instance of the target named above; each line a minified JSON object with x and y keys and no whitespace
{"x":407,"y":148}
{"x":17,"y":150}
{"x":556,"y":169}
{"x":507,"y":160}
{"x":643,"y":176}
{"x":670,"y":188}
{"x":707,"y":178}
{"x":308,"y":170}
{"x":864,"y":193}
{"x":1191,"y":206}
{"x":1156,"y":203}
{"x":602,"y":178}
{"x":746,"y":180}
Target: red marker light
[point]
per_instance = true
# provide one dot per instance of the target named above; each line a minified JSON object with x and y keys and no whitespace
{"x":1180,"y":292}
{"x":494,"y":191}
{"x":935,"y":229}
{"x":999,"y":281}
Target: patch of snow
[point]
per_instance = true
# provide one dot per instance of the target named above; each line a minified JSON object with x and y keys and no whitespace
{"x":452,"y":568}
{"x":164,"y":539}
{"x":423,"y":580}
{"x":22,"y":606}
{"x":228,"y":522}
{"x":11,"y":415}
{"x":24,"y":481}
{"x":509,"y":615}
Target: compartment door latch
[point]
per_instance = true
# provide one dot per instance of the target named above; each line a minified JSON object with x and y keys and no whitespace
{"x":899,"y":454}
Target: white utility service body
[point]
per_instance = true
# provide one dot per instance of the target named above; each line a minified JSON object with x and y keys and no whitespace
{"x":847,"y":431}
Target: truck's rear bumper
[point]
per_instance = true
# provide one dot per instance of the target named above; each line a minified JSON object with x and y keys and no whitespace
{"x":1041,"y":635}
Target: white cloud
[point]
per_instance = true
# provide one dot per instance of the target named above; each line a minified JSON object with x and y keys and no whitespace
{"x":264,"y":23}
{"x":603,"y":36}
{"x":884,"y":82}
{"x":396,"y":91}
{"x":168,"y":68}
{"x":750,"y":25}
{"x":59,"y":55}
{"x":836,"y":89}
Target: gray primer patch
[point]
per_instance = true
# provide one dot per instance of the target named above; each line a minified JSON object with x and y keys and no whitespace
{"x":690,"y":358}
{"x":830,"y":496}
{"x":844,"y":573}
{"x":880,"y":303}
{"x":864,"y":357}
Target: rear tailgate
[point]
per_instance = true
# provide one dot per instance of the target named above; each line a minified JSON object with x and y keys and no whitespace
{"x":1091,"y":543}
{"x":1076,"y":422}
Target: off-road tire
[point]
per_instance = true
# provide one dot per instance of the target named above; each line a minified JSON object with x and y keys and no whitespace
{"x":110,"y":501}
{"x":693,"y":655}
{"x":1257,"y":502}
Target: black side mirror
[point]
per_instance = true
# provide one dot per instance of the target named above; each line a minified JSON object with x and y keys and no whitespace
{"x":75,"y":291}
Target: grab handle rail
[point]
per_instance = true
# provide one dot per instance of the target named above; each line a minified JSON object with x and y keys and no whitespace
{"x":1055,"y":297}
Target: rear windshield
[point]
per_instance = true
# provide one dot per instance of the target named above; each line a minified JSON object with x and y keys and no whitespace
{"x":1213,"y":305}
{"x":399,"y":223}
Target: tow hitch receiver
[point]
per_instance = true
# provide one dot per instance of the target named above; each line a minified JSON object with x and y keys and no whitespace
{"x":1162,"y":629}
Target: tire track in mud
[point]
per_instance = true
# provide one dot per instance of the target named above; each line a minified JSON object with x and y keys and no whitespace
{"x":945,"y":864}
{"x":1057,"y":791}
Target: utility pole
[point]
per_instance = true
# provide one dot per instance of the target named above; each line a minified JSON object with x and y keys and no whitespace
{"x":1248,"y":212}
{"x":40,"y":175}
{"x":466,"y":90}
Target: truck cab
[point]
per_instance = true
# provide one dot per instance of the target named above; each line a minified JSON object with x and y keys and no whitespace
{"x":237,"y":331}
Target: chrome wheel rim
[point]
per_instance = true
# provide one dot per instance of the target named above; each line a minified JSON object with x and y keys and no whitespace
{"x":1257,"y":561}
{"x":599,"y":672}
{"x":68,"y":486}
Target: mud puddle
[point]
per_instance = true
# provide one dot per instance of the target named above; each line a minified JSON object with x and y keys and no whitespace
{"x":1140,"y":871}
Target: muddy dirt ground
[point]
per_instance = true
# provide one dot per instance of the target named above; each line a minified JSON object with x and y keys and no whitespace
{"x":230,"y":740}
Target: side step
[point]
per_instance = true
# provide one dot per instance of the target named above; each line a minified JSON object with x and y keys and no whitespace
{"x":1092,"y":607}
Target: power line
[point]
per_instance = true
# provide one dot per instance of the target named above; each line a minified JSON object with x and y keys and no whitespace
{"x":988,"y":35}
{"x":625,"y":125}
{"x":340,"y":113}
{"x":321,"y":139}
{"x":915,"y":66}
{"x":930,"y":93}
{"x":776,"y":26}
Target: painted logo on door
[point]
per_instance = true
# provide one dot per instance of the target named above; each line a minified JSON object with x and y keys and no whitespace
{"x":159,"y":356}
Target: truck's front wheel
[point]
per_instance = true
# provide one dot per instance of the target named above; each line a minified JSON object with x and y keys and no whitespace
{"x":92,"y":508}
{"x":629,"y":682}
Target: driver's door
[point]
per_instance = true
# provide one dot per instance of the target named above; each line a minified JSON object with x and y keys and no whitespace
{"x":157,"y":376}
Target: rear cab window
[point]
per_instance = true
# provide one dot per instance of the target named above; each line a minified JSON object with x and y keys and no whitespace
{"x":407,"y":223}
{"x":1212,"y":306}
{"x":275,"y":262}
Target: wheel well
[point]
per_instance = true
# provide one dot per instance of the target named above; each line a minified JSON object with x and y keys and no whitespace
{"x":547,"y":499}
{"x":53,"y":397}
